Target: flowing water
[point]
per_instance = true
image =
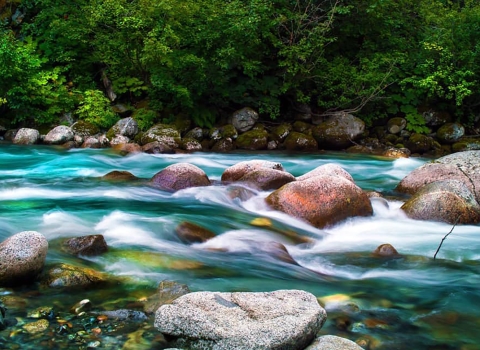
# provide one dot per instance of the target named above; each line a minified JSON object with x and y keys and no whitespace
{"x":410,"y":302}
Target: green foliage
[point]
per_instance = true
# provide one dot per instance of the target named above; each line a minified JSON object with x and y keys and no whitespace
{"x":369,"y":57}
{"x":95,"y":108}
{"x":131,"y":85}
{"x":203,"y":117}
{"x":145,"y":118}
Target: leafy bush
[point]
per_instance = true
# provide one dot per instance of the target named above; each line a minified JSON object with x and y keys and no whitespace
{"x":95,"y":108}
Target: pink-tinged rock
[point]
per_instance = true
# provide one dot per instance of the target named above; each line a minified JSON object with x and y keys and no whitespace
{"x":322,"y":200}
{"x":267,"y":179}
{"x":327,"y":169}
{"x":235,"y":172}
{"x":448,"y":201}
{"x":180,"y":176}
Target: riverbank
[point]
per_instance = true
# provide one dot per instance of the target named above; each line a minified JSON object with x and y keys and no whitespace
{"x":244,"y":131}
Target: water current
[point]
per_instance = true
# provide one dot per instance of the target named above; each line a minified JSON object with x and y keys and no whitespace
{"x":410,"y":302}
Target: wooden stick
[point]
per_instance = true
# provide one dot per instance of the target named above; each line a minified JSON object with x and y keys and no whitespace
{"x":438,"y":249}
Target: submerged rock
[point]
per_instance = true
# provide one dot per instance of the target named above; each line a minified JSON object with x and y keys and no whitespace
{"x":332,"y":342}
{"x":167,"y":292}
{"x":284,"y":319}
{"x":385,"y":250}
{"x":68,"y":276}
{"x":90,"y":245}
{"x":22,"y":257}
{"x":119,"y":175}
{"x":192,"y":233}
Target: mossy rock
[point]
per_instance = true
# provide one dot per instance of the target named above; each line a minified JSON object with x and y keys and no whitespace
{"x":418,"y":143}
{"x":69,"y":276}
{"x":84,"y":128}
{"x":466,"y":145}
{"x":164,"y":133}
{"x":302,"y":127}
{"x":450,"y":132}
{"x":182,"y":123}
{"x":281,"y":132}
{"x":297,"y":141}
{"x":229,"y":131}
{"x":253,"y":140}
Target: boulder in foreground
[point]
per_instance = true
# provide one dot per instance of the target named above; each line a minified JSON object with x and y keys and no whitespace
{"x":22,"y":257}
{"x":284,"y":319}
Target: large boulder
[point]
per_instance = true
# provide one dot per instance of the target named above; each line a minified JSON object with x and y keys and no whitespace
{"x":321,"y":200}
{"x":244,"y":119}
{"x":22,"y":257}
{"x":235,"y":172}
{"x":180,"y":176}
{"x":462,"y":166}
{"x":26,"y":136}
{"x":448,"y":201}
{"x":339,"y":131}
{"x":58,"y":135}
{"x":284,"y":319}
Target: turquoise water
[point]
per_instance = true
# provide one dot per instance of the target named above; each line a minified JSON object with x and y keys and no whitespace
{"x":413,"y":302}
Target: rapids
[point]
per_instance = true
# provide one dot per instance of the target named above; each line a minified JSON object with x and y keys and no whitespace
{"x":410,"y":302}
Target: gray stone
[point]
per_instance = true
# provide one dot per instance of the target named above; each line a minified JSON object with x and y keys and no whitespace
{"x":450,"y":132}
{"x":339,"y":131}
{"x":332,"y":342}
{"x":26,"y":136}
{"x":284,"y":319}
{"x":58,"y":135}
{"x":22,"y":257}
{"x":126,"y":127}
{"x":244,"y":119}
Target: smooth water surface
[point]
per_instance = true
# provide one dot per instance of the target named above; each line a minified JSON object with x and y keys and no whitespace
{"x":411,"y":302}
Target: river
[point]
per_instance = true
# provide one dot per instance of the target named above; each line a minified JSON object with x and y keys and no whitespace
{"x":410,"y":302}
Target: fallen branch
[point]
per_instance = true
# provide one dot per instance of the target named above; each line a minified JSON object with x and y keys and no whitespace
{"x":438,"y":249}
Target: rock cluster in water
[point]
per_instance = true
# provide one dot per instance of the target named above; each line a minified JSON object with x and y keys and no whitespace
{"x":447,"y":189}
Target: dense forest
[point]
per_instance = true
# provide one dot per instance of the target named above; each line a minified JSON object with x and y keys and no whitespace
{"x":206,"y":58}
